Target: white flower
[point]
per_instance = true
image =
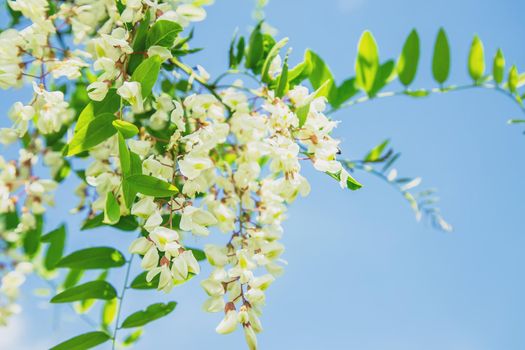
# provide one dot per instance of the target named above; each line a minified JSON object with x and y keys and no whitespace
{"x":251,"y":338}
{"x":131,"y":92}
{"x":166,"y":277}
{"x":140,"y":246}
{"x":191,"y":262}
{"x":179,"y":268}
{"x":150,"y":259}
{"x":193,"y":166}
{"x":217,"y":256}
{"x":214,"y":304}
{"x":8,"y":136}
{"x":228,"y":323}
{"x":140,"y":147}
{"x":154,"y":221}
{"x":212,"y":287}
{"x":166,"y":240}
{"x":195,"y":220}
{"x":145,"y":207}
{"x":160,"y":51}
{"x":97,"y":90}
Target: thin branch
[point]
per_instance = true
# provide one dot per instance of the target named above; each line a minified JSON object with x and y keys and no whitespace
{"x":121,"y":301}
{"x":438,"y":90}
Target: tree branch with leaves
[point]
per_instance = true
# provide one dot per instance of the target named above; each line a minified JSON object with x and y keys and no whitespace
{"x":159,"y":149}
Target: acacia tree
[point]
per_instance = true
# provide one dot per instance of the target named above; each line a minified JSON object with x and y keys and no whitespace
{"x":162,"y":149}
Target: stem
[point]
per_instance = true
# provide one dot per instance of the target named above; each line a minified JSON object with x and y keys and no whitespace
{"x":235,"y":72}
{"x":191,"y":73}
{"x":440,"y":90}
{"x":121,"y":301}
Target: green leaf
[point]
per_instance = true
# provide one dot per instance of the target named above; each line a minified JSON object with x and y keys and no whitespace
{"x":112,"y":210}
{"x":151,"y":186}
{"x":93,"y":258}
{"x":269,"y":59}
{"x":409,"y":59}
{"x":282,"y":81}
{"x":476,"y":60}
{"x":385,"y":74}
{"x":83,"y":341}
{"x":95,"y":132}
{"x":231,"y":53}
{"x":109,"y":311}
{"x":367,"y":62}
{"x":320,"y":75}
{"x":72,"y":278}
{"x":140,"y":282}
{"x":351,"y":183}
{"x":56,"y":240}
{"x":31,"y":240}
{"x":303,"y":110}
{"x":139,"y":43}
{"x":344,"y":92}
{"x":255,"y":48}
{"x":498,"y":68}
{"x":513,"y":79}
{"x":127,"y":129}
{"x":151,"y":313}
{"x":132,"y":338}
{"x":147,"y":73}
{"x":376,"y":152}
{"x":516,"y":121}
{"x":124,"y":156}
{"x":110,"y":104}
{"x":126,"y":223}
{"x":301,"y":71}
{"x":9,"y":220}
{"x":441,"y":58}
{"x":240,"y":51}
{"x":163,"y":33}
{"x":63,"y":172}
{"x":127,"y":189}
{"x":91,"y":290}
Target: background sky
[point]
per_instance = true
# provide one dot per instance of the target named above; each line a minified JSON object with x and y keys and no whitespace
{"x":363,"y":274}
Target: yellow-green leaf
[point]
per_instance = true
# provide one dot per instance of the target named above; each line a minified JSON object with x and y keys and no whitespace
{"x":111,"y":210}
{"x":498,"y":67}
{"x":127,"y":129}
{"x":367,"y":63}
{"x":476,"y":60}
{"x":151,"y":186}
{"x":269,"y":59}
{"x":109,"y":311}
{"x":93,"y":133}
{"x":513,"y":79}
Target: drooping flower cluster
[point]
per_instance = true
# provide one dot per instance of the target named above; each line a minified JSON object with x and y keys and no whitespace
{"x":239,"y":168}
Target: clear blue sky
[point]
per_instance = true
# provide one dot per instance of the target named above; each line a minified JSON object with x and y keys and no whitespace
{"x":363,"y":274}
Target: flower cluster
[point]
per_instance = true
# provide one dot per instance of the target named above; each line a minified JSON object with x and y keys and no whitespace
{"x":239,"y":167}
{"x":230,"y":158}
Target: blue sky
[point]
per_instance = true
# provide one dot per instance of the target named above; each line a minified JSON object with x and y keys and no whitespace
{"x":363,"y":274}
